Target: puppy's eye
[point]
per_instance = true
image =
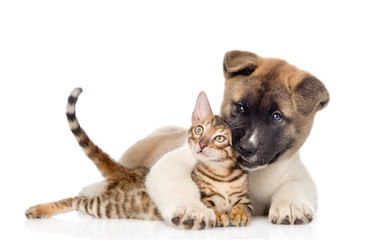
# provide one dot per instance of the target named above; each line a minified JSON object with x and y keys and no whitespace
{"x":240,"y":108}
{"x":220,"y":138}
{"x":276,"y":117}
{"x":198,"y":130}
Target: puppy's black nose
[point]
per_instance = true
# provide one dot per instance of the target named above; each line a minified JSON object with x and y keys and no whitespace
{"x":247,"y":149}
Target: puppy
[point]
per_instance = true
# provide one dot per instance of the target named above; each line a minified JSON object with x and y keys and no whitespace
{"x":270,"y":106}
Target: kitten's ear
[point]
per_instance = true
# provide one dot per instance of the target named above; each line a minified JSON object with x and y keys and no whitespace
{"x":202,"y":108}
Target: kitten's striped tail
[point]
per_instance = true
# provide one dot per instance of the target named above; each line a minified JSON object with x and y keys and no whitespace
{"x":106,"y":165}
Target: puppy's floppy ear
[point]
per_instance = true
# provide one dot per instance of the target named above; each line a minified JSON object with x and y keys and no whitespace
{"x":239,"y":63}
{"x":202,"y":108}
{"x":310,"y":95}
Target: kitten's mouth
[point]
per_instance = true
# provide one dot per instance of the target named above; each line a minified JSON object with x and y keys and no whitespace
{"x":201,"y":153}
{"x":207,"y":158}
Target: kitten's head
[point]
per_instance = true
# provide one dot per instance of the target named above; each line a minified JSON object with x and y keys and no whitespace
{"x":210,"y":136}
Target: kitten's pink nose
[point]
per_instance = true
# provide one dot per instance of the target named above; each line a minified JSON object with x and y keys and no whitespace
{"x":202,"y":145}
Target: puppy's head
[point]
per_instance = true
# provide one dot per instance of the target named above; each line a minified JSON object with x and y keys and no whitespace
{"x":270,"y":106}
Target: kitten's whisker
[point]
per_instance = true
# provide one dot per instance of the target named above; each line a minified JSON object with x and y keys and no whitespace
{"x":237,"y":127}
{"x":238,"y":124}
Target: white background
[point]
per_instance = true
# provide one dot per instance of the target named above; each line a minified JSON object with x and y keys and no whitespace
{"x":141,"y":66}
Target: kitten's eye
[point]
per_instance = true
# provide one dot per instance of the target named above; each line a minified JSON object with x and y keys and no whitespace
{"x":276,"y":117}
{"x":198,"y":130}
{"x":220,"y":138}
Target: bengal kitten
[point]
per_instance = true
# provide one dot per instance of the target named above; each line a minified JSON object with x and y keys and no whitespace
{"x":222,"y":184}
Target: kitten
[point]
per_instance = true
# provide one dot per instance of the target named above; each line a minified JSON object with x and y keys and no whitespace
{"x":223,"y":186}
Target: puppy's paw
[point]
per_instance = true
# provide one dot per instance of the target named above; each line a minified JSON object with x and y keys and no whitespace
{"x":295,"y":212}
{"x":195,"y":217}
{"x":38,"y":211}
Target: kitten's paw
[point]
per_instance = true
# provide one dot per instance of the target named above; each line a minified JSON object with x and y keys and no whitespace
{"x":222,"y":220}
{"x":37,"y":211}
{"x":295,"y":212}
{"x":195,"y":217}
{"x":240,"y":216}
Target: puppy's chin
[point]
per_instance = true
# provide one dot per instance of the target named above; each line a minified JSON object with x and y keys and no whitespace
{"x":251,"y":164}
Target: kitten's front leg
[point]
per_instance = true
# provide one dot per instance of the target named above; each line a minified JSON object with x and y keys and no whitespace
{"x":240,"y":215}
{"x":222,"y":220}
{"x":177,"y":197}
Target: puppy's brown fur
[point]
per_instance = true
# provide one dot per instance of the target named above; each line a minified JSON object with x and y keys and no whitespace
{"x":149,"y":150}
{"x":264,"y":85}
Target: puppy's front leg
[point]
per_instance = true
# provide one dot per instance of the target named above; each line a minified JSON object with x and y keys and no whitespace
{"x":176,"y":195}
{"x":294,"y":202}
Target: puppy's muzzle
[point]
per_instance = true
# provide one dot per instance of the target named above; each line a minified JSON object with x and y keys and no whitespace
{"x":246,"y":149}
{"x":248,"y":159}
